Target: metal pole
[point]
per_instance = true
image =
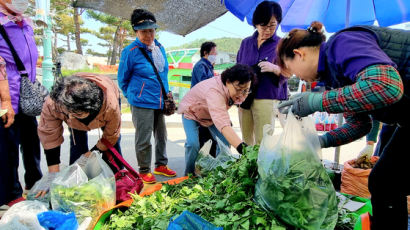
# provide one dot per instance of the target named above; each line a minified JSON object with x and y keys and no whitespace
{"x":43,"y":12}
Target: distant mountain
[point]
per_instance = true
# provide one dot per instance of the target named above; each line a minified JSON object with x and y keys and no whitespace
{"x":229,"y":45}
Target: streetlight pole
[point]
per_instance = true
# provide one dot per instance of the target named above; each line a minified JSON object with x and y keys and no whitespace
{"x":43,"y":14}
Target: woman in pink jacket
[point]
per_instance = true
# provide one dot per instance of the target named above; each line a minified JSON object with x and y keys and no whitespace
{"x":84,"y":101}
{"x":207,"y":104}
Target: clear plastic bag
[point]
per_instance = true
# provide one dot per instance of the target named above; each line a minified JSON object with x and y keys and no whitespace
{"x":205,"y":163}
{"x":87,"y":191}
{"x":23,"y":216}
{"x":292,"y":181}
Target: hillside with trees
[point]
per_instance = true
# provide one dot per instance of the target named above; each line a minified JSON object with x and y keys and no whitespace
{"x":229,"y":45}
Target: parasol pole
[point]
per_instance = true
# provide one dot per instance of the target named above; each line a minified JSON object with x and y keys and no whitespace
{"x":340,"y":115}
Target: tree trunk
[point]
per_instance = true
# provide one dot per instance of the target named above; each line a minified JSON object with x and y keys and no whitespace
{"x":68,"y":43}
{"x":115,"y":47}
{"x":77,"y":31}
{"x":121,"y":41}
{"x":55,"y":51}
{"x":109,"y":55}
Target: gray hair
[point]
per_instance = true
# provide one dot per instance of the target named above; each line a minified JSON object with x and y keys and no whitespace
{"x":77,"y":94}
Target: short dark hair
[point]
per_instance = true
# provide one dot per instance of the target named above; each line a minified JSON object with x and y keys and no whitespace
{"x":206,"y":47}
{"x":264,"y":12}
{"x":238,"y":72}
{"x":77,"y":94}
{"x":140,"y":15}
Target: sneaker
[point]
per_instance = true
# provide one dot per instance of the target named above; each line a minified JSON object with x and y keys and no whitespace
{"x":13,"y":202}
{"x":148,"y":178}
{"x":165,"y":171}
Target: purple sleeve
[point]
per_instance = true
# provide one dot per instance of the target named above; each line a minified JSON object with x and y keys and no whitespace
{"x":352,"y":51}
{"x":239,"y":55}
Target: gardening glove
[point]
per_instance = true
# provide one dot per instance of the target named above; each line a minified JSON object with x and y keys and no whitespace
{"x":241,"y":147}
{"x":45,"y":183}
{"x":269,"y":67}
{"x":323,"y":141}
{"x":366,"y":151}
{"x":302,"y":104}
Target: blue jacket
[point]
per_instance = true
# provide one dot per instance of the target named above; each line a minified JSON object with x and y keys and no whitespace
{"x":137,"y":78}
{"x":203,"y":70}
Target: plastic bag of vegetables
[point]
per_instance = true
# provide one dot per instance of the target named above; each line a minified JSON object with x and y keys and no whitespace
{"x":205,"y":163}
{"x":87,"y":191}
{"x":293,"y":183}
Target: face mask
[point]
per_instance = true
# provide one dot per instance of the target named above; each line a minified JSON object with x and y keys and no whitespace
{"x":18,"y":6}
{"x":212,"y":58}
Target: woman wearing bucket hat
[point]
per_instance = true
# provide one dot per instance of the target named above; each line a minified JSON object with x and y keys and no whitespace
{"x":140,"y":84}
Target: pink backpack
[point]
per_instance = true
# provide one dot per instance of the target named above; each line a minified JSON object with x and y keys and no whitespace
{"x":126,"y":180}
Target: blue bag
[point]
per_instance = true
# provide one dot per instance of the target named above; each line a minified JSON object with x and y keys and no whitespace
{"x":190,"y":221}
{"x":58,"y":220}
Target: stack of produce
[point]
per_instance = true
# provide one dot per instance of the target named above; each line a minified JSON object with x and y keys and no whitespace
{"x":224,"y":198}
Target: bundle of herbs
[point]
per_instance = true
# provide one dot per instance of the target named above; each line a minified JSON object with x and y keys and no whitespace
{"x":224,"y":198}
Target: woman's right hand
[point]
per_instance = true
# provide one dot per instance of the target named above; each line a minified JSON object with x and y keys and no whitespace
{"x":45,"y":182}
{"x":8,"y":117}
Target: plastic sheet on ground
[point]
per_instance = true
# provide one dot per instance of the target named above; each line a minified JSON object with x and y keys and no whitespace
{"x":23,"y":216}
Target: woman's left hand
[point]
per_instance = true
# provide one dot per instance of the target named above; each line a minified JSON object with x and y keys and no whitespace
{"x":269,"y":67}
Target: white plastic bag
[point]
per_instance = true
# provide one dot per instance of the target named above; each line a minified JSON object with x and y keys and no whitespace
{"x":293,"y":184}
{"x":205,"y":163}
{"x":87,"y":191}
{"x":23,"y":216}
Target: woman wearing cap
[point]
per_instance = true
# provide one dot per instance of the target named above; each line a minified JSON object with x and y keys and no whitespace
{"x":139,"y":84}
{"x":366,"y":72}
{"x":259,"y":51}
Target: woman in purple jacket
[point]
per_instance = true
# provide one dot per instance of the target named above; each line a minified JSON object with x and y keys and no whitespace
{"x":20,"y":32}
{"x":259,"y":52}
{"x":366,"y":71}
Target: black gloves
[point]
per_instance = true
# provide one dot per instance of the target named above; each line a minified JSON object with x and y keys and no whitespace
{"x":241,"y":147}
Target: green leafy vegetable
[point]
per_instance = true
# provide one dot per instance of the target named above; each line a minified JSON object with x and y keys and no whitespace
{"x":224,"y":198}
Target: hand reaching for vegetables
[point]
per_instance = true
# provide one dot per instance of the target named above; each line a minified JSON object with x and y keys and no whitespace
{"x":45,"y":183}
{"x":366,"y":151}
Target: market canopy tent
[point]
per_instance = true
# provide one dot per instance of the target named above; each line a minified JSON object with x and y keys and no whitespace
{"x":334,"y":14}
{"x":177,"y":16}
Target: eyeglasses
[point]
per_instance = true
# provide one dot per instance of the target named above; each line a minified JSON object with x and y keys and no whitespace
{"x":242,"y":91}
{"x":269,"y":27}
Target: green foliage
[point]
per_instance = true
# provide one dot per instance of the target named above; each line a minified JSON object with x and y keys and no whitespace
{"x":66,"y":72}
{"x":224,"y":198}
{"x":229,"y":45}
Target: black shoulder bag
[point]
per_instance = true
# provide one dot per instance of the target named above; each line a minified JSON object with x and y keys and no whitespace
{"x":32,"y":95}
{"x":169,"y":103}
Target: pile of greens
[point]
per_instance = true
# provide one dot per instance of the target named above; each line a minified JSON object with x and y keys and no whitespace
{"x":224,"y":198}
{"x":297,"y":188}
